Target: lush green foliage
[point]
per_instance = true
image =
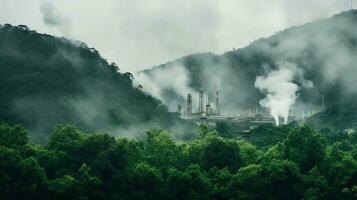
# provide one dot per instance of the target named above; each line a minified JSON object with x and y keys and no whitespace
{"x":76,"y":165}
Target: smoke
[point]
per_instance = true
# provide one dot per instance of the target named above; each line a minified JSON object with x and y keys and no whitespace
{"x":174,"y":78}
{"x":280,"y":92}
{"x":53,"y":18}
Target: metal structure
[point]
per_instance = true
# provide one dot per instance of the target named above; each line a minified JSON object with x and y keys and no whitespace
{"x":189,"y":104}
{"x":217,"y":103}
{"x":208,"y":109}
{"x":200,"y":102}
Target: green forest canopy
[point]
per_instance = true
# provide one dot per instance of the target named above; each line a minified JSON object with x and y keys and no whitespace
{"x":75,"y":165}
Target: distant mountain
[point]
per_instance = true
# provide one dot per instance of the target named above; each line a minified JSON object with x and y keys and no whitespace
{"x":323,"y":55}
{"x":46,"y":80}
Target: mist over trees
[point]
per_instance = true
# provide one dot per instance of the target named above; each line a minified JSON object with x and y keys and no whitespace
{"x":321,"y":55}
{"x":46,"y":80}
{"x":83,"y":120}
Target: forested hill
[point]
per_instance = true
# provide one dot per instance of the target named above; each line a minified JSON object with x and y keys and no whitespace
{"x":323,"y":55}
{"x":46,"y":80}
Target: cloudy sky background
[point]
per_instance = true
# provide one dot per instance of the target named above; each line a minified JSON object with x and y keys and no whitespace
{"x":138,"y":34}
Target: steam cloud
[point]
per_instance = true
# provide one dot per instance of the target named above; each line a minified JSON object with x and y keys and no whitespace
{"x":175,"y":78}
{"x":281,"y":92}
{"x":53,"y":18}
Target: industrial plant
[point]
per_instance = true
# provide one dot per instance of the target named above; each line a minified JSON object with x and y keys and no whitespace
{"x":210,"y":113}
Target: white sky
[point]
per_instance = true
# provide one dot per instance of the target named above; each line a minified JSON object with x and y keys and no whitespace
{"x":138,"y":34}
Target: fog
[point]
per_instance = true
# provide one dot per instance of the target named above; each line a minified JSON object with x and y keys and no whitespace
{"x":293,"y":69}
{"x":138,"y":34}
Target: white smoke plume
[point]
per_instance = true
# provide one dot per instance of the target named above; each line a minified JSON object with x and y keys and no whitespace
{"x":174,"y":78}
{"x":281,"y":92}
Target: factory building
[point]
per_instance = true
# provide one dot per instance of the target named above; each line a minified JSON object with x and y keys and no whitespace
{"x":211,"y":113}
{"x":203,"y":109}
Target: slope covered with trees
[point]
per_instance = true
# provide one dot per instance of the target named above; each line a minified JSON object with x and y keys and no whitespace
{"x":322,"y":55}
{"x":75,"y":165}
{"x":46,"y":80}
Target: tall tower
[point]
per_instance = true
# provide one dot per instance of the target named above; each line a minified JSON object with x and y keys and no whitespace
{"x":200,"y":102}
{"x":217,"y":103}
{"x":189,"y":104}
{"x":323,"y":103}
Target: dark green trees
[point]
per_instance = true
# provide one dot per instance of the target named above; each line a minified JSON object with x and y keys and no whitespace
{"x":76,"y":165}
{"x":274,"y":180}
{"x":12,"y":137}
{"x":304,"y":147}
{"x":221,"y":153}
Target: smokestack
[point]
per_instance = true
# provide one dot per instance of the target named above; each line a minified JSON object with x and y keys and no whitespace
{"x":217,"y":103}
{"x":200,"y":102}
{"x":208,"y":109}
{"x":189,"y":104}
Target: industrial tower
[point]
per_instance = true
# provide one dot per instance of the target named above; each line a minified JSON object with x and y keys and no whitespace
{"x":217,"y":103}
{"x":200,"y":102}
{"x":189,"y":104}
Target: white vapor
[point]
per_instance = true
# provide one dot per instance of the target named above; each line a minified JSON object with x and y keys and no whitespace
{"x":174,"y":78}
{"x":139,"y":34}
{"x":280,"y":92}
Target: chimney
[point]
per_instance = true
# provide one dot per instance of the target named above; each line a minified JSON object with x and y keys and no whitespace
{"x":189,"y":104}
{"x":208,"y":109}
{"x":217,"y":103}
{"x":200,"y":102}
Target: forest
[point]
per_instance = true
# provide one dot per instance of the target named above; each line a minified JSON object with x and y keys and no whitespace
{"x":301,"y":164}
{"x":74,"y":126}
{"x":46,"y":80}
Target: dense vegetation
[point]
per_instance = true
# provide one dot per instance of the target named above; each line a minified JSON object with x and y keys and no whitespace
{"x":75,"y":165}
{"x":46,"y":80}
{"x":324,"y":52}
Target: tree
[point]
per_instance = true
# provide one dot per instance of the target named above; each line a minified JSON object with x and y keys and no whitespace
{"x":192,"y":183}
{"x":12,"y":136}
{"x":221,"y":153}
{"x":274,"y":180}
{"x":161,"y":150}
{"x":89,"y":183}
{"x":249,"y":153}
{"x":248,"y":184}
{"x":65,"y":187}
{"x":32,"y":178}
{"x":146,"y":182}
{"x":66,"y":138}
{"x":340,"y":170}
{"x":315,"y":185}
{"x":304,"y":147}
{"x":220,"y":180}
{"x":9,"y":159}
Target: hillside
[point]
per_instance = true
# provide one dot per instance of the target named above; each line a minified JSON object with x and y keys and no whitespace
{"x":46,"y":80}
{"x":322,"y":55}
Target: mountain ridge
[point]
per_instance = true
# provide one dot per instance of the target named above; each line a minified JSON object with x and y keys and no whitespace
{"x":47,"y":80}
{"x":323,"y":53}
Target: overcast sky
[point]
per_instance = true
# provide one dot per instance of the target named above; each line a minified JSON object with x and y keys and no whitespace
{"x":138,"y":34}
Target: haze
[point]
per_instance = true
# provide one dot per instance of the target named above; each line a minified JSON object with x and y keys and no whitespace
{"x":138,"y":34}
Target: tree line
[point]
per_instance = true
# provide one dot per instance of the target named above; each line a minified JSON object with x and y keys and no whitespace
{"x":77,"y":165}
